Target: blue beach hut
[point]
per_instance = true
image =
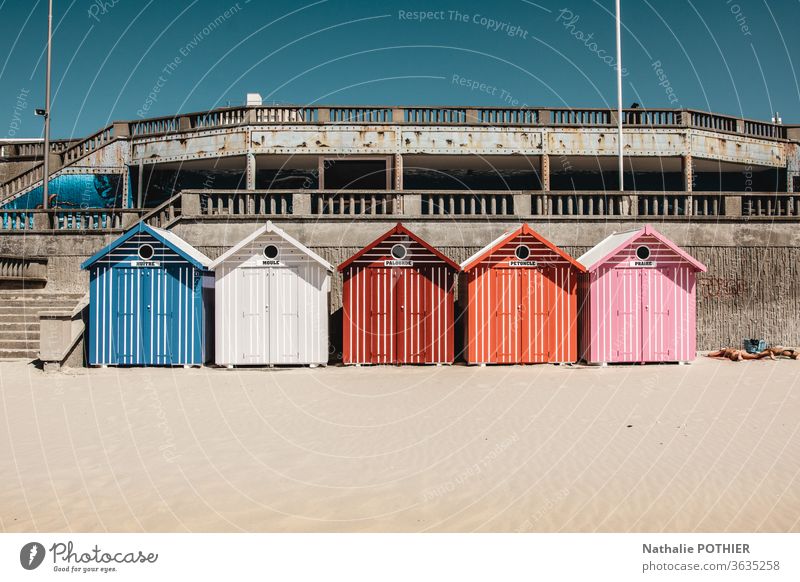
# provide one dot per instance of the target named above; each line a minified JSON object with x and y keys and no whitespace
{"x":149,"y":301}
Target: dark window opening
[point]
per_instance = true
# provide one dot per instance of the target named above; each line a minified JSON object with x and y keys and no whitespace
{"x":399,"y":252}
{"x":271,"y":252}
{"x":146,"y":252}
{"x":355,"y":175}
{"x":522,"y":252}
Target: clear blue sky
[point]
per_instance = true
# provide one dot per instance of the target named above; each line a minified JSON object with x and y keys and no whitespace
{"x":736,"y":57}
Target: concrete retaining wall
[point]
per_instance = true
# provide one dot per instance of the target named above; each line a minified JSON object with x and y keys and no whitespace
{"x":751,"y":289}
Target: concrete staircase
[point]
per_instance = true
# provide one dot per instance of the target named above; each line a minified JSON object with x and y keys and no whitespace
{"x":19,"y":319}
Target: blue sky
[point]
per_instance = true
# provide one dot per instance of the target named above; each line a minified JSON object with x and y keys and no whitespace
{"x":735,"y":57}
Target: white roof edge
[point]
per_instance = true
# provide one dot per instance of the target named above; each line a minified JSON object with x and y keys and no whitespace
{"x":605,"y":246}
{"x":486,"y":248}
{"x":184,"y":246}
{"x":269,"y":227}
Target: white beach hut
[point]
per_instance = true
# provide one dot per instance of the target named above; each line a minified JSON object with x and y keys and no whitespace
{"x":271,"y":302}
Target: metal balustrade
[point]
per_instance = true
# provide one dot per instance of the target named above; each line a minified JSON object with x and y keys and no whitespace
{"x":244,"y":203}
{"x":422,"y":204}
{"x":23,"y":268}
{"x":666,"y":204}
{"x":771,"y":205}
{"x":351,"y":203}
{"x":582,"y":204}
{"x":472,"y":203}
{"x":708,"y":205}
{"x":68,"y":219}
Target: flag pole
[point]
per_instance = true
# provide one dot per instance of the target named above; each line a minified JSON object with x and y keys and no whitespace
{"x":46,"y":152}
{"x":619,"y":100}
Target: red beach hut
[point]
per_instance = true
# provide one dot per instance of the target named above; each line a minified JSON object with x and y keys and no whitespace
{"x":519,"y":301}
{"x":398,"y":302}
{"x":638,"y":300}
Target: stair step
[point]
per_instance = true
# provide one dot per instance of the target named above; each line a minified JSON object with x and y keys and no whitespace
{"x":18,"y":341}
{"x":14,"y":354}
{"x":6,"y":335}
{"x":21,"y":318}
{"x":19,"y":326}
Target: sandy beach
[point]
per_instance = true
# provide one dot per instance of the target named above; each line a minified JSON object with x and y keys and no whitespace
{"x":714,"y":446}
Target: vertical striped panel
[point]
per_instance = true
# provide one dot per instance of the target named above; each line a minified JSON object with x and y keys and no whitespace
{"x":271,"y":314}
{"x":521,"y":315}
{"x":398,"y":315}
{"x":640,"y":314}
{"x":145,"y":316}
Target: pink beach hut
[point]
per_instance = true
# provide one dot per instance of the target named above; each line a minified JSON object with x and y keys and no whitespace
{"x":637,"y":300}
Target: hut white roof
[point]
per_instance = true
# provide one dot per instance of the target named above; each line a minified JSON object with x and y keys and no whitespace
{"x":270,"y":227}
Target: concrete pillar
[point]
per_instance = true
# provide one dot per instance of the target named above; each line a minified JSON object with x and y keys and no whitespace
{"x":54,"y":335}
{"x":630,"y":205}
{"x":733,"y":205}
{"x":129,"y":219}
{"x":121,"y":129}
{"x":411,"y":204}
{"x":522,"y":204}
{"x":688,"y":172}
{"x":301,"y":203}
{"x":139,"y":188}
{"x":544,"y":173}
{"x":41,"y":220}
{"x":688,"y":178}
{"x":190,"y":203}
{"x":250,"y":171}
{"x":126,"y":183}
{"x":398,"y":172}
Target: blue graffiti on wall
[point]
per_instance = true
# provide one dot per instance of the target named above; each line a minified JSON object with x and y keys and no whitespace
{"x":75,"y":191}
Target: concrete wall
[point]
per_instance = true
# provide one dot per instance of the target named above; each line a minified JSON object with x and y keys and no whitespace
{"x":751,"y":289}
{"x":10,"y":170}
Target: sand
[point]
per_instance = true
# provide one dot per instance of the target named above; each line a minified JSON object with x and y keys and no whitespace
{"x":713,"y":446}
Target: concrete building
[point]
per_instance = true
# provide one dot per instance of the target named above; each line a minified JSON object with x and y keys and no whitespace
{"x":722,"y":187}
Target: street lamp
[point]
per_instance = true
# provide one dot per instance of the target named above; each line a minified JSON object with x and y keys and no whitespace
{"x":619,"y":100}
{"x":46,"y":112}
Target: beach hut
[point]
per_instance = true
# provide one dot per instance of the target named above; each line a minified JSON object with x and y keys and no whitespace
{"x":518,"y":297}
{"x":638,"y":300}
{"x":271,"y":302}
{"x":150,"y":298}
{"x":398,"y":302}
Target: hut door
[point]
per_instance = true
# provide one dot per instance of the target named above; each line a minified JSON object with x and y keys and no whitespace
{"x":129,"y":304}
{"x":284,"y":337}
{"x":253,"y":337}
{"x":659,"y":330}
{"x":508,"y":288}
{"x":413,"y":341}
{"x":536,"y":304}
{"x":626,"y":308}
{"x":381,"y":327}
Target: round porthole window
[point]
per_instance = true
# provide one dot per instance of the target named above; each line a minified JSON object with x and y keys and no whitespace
{"x":643,"y":253}
{"x":146,"y":252}
{"x":399,"y":252}
{"x":522,"y":252}
{"x":271,"y":252}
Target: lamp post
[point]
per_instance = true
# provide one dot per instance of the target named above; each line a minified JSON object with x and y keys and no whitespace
{"x":46,"y":153}
{"x":619,"y":100}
